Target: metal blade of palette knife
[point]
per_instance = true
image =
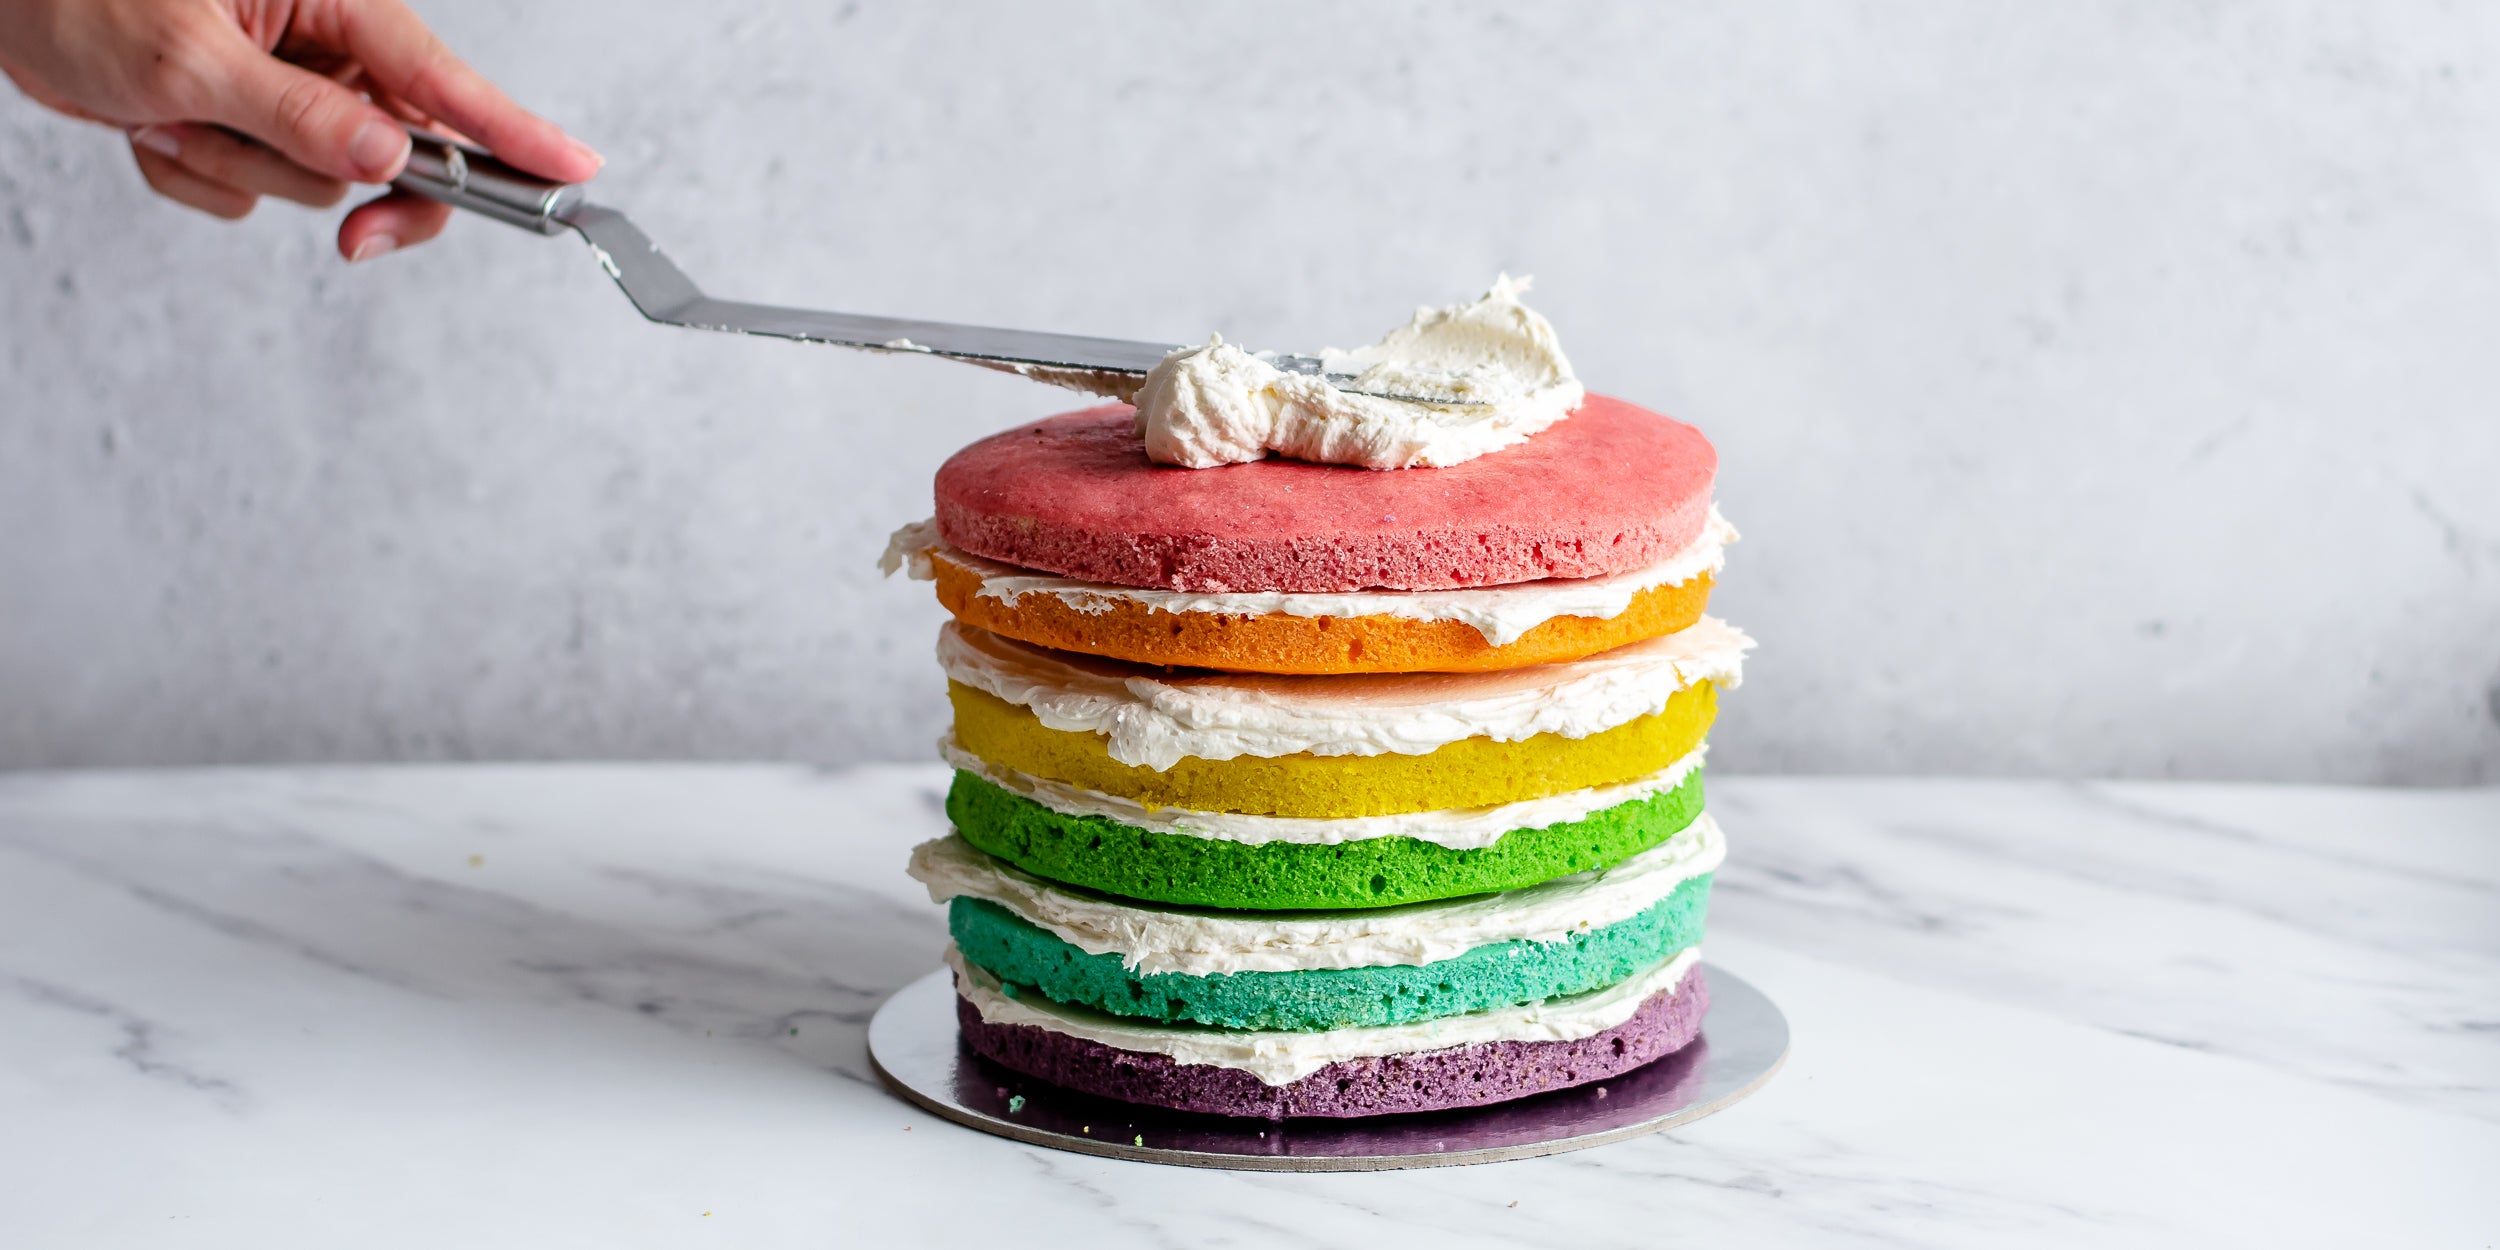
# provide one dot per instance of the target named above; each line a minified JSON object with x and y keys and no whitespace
{"x":470,"y":178}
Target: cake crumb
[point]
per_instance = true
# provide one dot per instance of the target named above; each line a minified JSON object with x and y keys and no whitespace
{"x":1601,"y":1091}
{"x":1514,"y":1202}
{"x":1015,"y":1104}
{"x":1141,"y":1139}
{"x":1088,"y":1129}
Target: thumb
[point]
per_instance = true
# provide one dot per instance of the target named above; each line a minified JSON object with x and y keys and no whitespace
{"x":309,"y":119}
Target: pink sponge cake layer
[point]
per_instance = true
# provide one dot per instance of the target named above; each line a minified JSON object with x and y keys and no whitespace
{"x":1610,"y":489}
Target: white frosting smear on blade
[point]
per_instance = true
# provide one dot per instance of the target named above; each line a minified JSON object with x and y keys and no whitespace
{"x":1502,"y":614}
{"x":1279,"y":1058}
{"x":1458,"y":828}
{"x":1155,"y":719}
{"x":1500,"y":361}
{"x":1198,"y":942}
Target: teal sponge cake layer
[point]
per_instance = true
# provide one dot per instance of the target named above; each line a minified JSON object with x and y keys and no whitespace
{"x":1281,"y":973}
{"x":1499,"y":974}
{"x":1103,"y":854}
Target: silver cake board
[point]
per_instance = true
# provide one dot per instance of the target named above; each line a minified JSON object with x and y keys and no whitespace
{"x":913,"y":1044}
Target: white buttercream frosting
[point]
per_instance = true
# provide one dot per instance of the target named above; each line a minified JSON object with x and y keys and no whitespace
{"x":1281,"y":1058}
{"x":1199,"y":942}
{"x":1496,"y":361}
{"x":909,"y":548}
{"x":1459,"y":829}
{"x":1503,"y":614}
{"x":1155,"y":719}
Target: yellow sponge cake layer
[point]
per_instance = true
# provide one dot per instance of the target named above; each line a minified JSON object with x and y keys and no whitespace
{"x":1471,"y":772}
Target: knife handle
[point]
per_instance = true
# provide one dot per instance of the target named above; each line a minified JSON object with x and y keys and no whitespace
{"x":471,"y":178}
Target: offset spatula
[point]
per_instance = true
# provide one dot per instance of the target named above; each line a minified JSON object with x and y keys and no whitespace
{"x":467,"y":177}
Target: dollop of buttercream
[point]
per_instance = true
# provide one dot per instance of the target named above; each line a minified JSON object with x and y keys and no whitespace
{"x":1474,"y":378}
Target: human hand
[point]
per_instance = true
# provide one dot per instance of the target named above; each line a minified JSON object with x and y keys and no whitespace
{"x":226,"y":101}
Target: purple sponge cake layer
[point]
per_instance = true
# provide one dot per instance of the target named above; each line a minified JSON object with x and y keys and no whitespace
{"x":1467,"y":1076}
{"x":1610,"y":489}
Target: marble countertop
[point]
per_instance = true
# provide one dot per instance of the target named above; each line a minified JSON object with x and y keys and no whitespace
{"x":555,"y":1006}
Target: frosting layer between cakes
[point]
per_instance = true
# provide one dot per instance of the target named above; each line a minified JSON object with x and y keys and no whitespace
{"x":1203,"y":943}
{"x":1154,"y":720}
{"x":1501,"y":615}
{"x":1458,"y":829}
{"x":1471,"y":772}
{"x":1278,"y":1057}
{"x":1462,"y":1076}
{"x":1101,"y":854}
{"x":1481,"y":978}
{"x":1426,"y":631}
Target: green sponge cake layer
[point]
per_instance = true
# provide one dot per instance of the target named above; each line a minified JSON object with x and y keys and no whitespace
{"x":1102,"y":854}
{"x":1501,"y":974}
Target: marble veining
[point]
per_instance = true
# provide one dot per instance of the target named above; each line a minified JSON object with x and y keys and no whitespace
{"x":2298,"y":934}
{"x":626,"y":1005}
{"x":144,"y":1045}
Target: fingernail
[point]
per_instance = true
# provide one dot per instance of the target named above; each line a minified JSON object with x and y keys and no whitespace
{"x":374,"y":245}
{"x":157,"y":139}
{"x":586,"y":150}
{"x":377,"y":150}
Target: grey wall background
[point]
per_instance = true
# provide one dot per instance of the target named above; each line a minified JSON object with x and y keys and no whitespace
{"x":2102,"y":390}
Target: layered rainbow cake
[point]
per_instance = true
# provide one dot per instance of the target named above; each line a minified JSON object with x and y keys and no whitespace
{"x":1287,"y":788}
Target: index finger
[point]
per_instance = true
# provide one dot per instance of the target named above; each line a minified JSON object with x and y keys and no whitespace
{"x":403,"y":57}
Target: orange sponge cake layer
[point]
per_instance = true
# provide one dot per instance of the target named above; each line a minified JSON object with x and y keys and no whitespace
{"x":1275,"y":642}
